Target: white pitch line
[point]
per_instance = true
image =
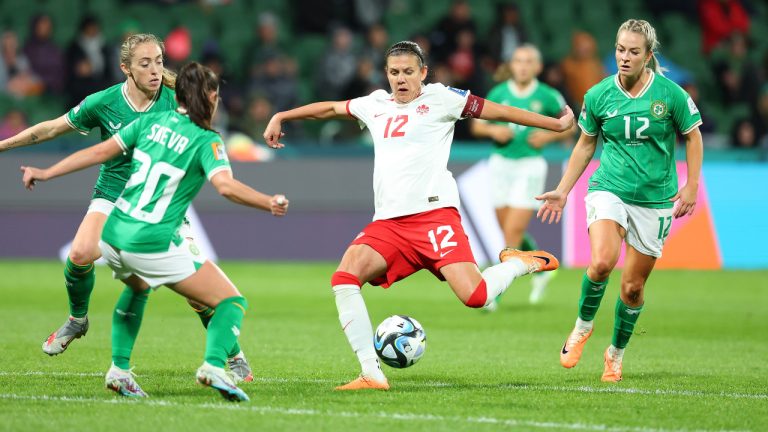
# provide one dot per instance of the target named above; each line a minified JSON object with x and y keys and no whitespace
{"x":265,"y":409}
{"x":534,"y":387}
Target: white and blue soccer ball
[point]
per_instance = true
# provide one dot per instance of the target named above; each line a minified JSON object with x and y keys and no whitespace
{"x":400,"y":341}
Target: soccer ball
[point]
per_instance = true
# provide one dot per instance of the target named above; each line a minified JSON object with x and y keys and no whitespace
{"x":400,"y":341}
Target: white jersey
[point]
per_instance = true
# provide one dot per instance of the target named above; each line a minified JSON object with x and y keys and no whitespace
{"x":412,"y":143}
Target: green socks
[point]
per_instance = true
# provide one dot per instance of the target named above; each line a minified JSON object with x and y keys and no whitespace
{"x":528,"y":243}
{"x":223,"y":330}
{"x":591,"y":295}
{"x":79,"y":280}
{"x":126,"y":322}
{"x":624,"y":323}
{"x":205,"y":315}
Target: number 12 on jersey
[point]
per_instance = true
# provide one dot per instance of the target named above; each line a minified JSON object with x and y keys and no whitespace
{"x":399,"y":122}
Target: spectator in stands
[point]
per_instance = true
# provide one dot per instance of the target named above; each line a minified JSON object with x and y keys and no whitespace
{"x":256,"y":117}
{"x":366,"y":79}
{"x":719,"y":20}
{"x":279,"y":84}
{"x":464,"y":62}
{"x":128,"y":28}
{"x":265,"y":45}
{"x":582,"y":68}
{"x":337,"y":67}
{"x":743,"y":134}
{"x":552,"y":75}
{"x":12,"y":123}
{"x":760,"y":117}
{"x":16,"y":76}
{"x":736,"y":74}
{"x":506,"y":34}
{"x":443,"y":38}
{"x":45,"y":57}
{"x":87,"y":61}
{"x":376,"y":45}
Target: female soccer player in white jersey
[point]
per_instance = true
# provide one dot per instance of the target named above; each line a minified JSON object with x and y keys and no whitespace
{"x":140,"y":240}
{"x":416,"y":224}
{"x":148,"y":88}
{"x":631,"y":196}
{"x":518,"y":169}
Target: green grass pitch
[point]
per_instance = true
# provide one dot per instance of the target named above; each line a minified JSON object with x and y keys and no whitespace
{"x":698,"y":360}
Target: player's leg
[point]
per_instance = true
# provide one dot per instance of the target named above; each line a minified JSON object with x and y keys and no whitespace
{"x":211,"y":287}
{"x":359,"y":264}
{"x":126,"y":322}
{"x":79,"y":277}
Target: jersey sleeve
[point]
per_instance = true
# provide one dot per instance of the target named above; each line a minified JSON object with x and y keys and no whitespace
{"x":129,"y":135}
{"x":587,"y":121}
{"x":214,"y":156}
{"x":454,"y":100}
{"x":685,"y":113}
{"x":82,"y":117}
{"x":360,"y":108}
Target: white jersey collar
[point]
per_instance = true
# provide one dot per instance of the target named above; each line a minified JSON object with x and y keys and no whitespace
{"x":642,"y":91}
{"x":124,"y":91}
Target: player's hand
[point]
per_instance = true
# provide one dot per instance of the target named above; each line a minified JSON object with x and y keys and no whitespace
{"x":278,"y":205}
{"x":31,"y":176}
{"x":554,"y":203}
{"x":566,"y":120}
{"x":687,"y":201}
{"x":273,"y":133}
{"x":501,"y":134}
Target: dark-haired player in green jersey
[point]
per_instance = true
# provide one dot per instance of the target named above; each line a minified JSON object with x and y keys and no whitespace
{"x":148,"y":88}
{"x":518,"y":170}
{"x":172,"y":155}
{"x":632,"y":194}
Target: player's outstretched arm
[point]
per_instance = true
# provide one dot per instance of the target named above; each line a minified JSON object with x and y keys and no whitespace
{"x":314,"y":111}
{"x":694,"y":154}
{"x":84,"y":158}
{"x":554,"y":201}
{"x":240,"y":193}
{"x":36,"y":134}
{"x":509,"y":114}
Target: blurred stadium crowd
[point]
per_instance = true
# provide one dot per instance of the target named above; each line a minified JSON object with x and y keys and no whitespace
{"x":277,"y":54}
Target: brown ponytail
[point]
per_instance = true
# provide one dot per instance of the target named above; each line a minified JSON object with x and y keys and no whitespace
{"x":194,"y":85}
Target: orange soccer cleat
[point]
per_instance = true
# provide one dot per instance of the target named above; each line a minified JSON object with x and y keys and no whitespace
{"x":612,"y":371}
{"x":536,"y":261}
{"x":573,"y":346}
{"x":364,"y":383}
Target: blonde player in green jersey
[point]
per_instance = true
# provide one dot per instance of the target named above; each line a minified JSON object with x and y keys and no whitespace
{"x":148,"y":88}
{"x":631,"y":197}
{"x":173,"y":153}
{"x":518,"y":170}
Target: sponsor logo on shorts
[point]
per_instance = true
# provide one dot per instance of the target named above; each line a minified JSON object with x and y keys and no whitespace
{"x":433,"y":199}
{"x":193,"y":249}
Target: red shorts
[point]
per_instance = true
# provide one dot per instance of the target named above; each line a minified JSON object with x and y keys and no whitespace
{"x":410,"y":243}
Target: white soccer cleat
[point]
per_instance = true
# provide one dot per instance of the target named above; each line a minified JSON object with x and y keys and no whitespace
{"x":219,"y":379}
{"x":59,"y":340}
{"x":239,"y":367}
{"x":121,"y":381}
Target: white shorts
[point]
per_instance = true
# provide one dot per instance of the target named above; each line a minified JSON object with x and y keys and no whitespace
{"x":100,"y":205}
{"x":647,"y":228}
{"x":515,"y":182}
{"x":156,"y":269}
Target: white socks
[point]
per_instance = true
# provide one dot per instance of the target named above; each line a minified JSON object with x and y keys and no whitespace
{"x":584,"y":325}
{"x":499,"y":277}
{"x":356,"y":324}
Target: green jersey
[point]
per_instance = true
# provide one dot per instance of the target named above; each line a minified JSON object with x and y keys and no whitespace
{"x":639,"y":134}
{"x":110,"y":110}
{"x":172,"y":157}
{"x":539,"y":98}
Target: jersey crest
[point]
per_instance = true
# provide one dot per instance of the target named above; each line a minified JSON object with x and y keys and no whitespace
{"x":658,"y":109}
{"x":422,"y":109}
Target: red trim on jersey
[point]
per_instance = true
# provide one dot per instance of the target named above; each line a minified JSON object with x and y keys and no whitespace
{"x":474,"y":107}
{"x":479,"y":296}
{"x":348,"y":111}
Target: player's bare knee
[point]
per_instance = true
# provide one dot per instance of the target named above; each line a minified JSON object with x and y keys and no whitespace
{"x":601,"y":268}
{"x":632,"y":292}
{"x":82,"y":256}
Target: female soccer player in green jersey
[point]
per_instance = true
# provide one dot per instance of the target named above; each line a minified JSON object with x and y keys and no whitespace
{"x":176,"y":151}
{"x":518,"y":170}
{"x":631,"y":196}
{"x":148,"y":88}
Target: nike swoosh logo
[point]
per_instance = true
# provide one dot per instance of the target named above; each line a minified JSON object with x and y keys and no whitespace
{"x":564,"y":351}
{"x":442,"y":254}
{"x":611,"y":114}
{"x":346,"y":325}
{"x":546,"y":260}
{"x":378,"y":115}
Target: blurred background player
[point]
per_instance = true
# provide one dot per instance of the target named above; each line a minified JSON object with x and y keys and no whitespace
{"x":148,"y":88}
{"x":141,"y":239}
{"x":631,"y":196}
{"x":416,"y":224}
{"x":517,"y":168}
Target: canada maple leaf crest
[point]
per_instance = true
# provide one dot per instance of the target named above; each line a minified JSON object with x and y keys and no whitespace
{"x":422,"y":109}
